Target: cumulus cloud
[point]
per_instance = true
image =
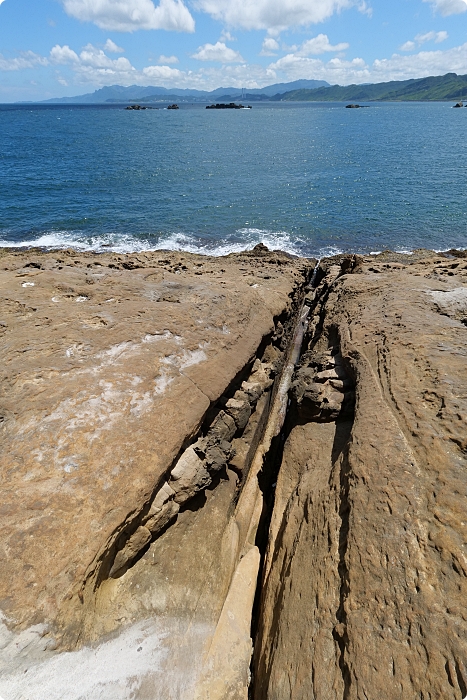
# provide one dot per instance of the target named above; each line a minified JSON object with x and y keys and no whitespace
{"x":167,"y":60}
{"x":131,"y":15}
{"x":335,"y":71}
{"x":270,"y":46}
{"x":449,"y":7}
{"x":423,"y":63}
{"x":26,"y":59}
{"x":274,"y":14}
{"x":397,"y":67}
{"x":320,"y":44}
{"x":93,"y":65}
{"x":111,"y":47}
{"x":217,"y":52}
{"x":63,"y":54}
{"x":437,"y":37}
{"x":161,"y":73}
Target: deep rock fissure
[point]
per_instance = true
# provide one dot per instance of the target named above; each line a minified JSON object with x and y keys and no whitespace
{"x":340,"y":630}
{"x":315,"y":408}
{"x":227,"y":439}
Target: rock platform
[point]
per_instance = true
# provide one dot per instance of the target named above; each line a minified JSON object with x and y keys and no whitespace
{"x":185,"y":514}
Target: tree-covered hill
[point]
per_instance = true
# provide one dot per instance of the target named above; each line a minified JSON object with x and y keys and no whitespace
{"x":441,"y":88}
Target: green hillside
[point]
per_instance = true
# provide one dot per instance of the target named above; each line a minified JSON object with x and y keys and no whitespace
{"x":436,"y":88}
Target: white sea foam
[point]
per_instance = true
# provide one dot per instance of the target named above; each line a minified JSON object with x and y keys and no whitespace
{"x":242,"y":239}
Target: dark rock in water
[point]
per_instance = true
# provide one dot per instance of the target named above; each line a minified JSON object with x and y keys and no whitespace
{"x":455,"y":253}
{"x":135,"y":107}
{"x":352,"y":106}
{"x":459,"y":104}
{"x":230,"y":105}
{"x":174,"y":106}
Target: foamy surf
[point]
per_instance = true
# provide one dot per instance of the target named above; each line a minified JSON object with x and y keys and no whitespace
{"x":242,"y":239}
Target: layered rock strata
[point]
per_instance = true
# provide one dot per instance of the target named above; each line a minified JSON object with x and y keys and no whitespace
{"x":365,"y":578}
{"x":204,"y":454}
{"x":136,"y":392}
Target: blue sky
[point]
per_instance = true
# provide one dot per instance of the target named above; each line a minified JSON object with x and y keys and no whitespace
{"x":53,"y":48}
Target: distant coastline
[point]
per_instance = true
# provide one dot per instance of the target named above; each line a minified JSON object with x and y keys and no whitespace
{"x":443,"y":88}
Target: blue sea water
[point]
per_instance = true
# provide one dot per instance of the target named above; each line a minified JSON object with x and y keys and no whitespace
{"x":309,"y":178}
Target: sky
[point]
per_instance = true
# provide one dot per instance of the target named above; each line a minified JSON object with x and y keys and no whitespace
{"x":56,"y":48}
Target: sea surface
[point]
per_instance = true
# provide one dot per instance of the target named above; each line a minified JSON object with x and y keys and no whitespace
{"x":309,"y":178}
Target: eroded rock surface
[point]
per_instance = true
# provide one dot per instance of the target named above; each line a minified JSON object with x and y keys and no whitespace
{"x":365,"y":580}
{"x":125,"y":382}
{"x":142,"y":401}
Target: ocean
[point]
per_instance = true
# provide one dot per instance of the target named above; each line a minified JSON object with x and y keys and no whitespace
{"x":309,"y":178}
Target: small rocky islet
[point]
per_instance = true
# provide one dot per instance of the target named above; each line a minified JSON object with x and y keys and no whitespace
{"x":233,"y":477}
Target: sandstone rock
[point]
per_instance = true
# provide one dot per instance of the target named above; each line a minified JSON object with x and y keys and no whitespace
{"x":133,"y":546}
{"x":365,"y":572}
{"x":169,"y":606}
{"x":223,"y":427}
{"x":103,"y":384}
{"x":124,"y":525}
{"x":239,"y":410}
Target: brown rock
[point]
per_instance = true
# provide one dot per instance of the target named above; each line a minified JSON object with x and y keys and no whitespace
{"x":366,"y":572}
{"x":104,"y":383}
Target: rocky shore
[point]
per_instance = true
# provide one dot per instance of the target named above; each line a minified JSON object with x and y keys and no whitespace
{"x":232,"y":478}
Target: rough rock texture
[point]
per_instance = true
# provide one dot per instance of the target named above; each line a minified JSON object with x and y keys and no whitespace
{"x":125,"y":380}
{"x":365,"y":579}
{"x":142,"y":398}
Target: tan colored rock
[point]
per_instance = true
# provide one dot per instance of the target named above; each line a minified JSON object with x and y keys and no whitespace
{"x":109,"y":365}
{"x":366,"y":576}
{"x":134,"y":545}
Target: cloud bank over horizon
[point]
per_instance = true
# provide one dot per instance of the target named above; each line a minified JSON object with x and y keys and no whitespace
{"x":189,"y":43}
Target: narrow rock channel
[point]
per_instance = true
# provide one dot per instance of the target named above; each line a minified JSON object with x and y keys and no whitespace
{"x":245,"y":481}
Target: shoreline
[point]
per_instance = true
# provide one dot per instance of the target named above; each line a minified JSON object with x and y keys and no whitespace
{"x":225,"y":250}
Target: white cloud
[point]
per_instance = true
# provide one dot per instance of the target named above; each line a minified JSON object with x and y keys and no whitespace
{"x":93,"y":65}
{"x":166,"y":60}
{"x":96,"y":58}
{"x":270,"y":45}
{"x":226,"y":36}
{"x":398,"y":67}
{"x":161,"y":73}
{"x":217,"y":52}
{"x":337,"y":70}
{"x":437,"y":37}
{"x":274,"y":14}
{"x":63,"y":54}
{"x":131,"y":15}
{"x":319,"y":44}
{"x":111,"y":47}
{"x":1,"y":1}
{"x":421,"y":64}
{"x":449,"y":7}
{"x":26,"y":59}
{"x":408,"y":46}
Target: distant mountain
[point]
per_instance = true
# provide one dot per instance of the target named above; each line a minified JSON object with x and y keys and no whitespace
{"x":135,"y":93}
{"x":280,"y":88}
{"x":435,"y":88}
